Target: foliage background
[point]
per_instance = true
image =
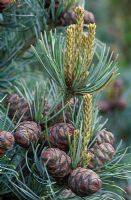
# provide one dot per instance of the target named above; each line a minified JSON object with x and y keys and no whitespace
{"x":113,"y":19}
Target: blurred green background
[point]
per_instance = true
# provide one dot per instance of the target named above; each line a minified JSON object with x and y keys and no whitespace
{"x":113,"y":19}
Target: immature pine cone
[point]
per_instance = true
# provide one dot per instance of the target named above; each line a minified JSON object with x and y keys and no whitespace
{"x":59,"y":133}
{"x":100,"y":154}
{"x":18,"y":107}
{"x":6,"y":142}
{"x":105,"y":136}
{"x":84,"y":182}
{"x":58,"y":163}
{"x":27,"y":132}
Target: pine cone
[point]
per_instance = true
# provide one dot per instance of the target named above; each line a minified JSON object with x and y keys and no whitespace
{"x":27,"y":132}
{"x":105,"y":136}
{"x":84,"y":182}
{"x":89,"y":17}
{"x":6,"y":142}
{"x":19,"y":107}
{"x":100,"y":154}
{"x":58,"y":135}
{"x":69,"y":18}
{"x":58,"y":163}
{"x":4,"y":4}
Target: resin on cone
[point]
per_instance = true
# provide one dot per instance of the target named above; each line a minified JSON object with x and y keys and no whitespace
{"x":6,"y":141}
{"x":84,"y":182}
{"x":100,"y":154}
{"x":27,"y":132}
{"x":105,"y":136}
{"x":59,"y":133}
{"x":58,"y":163}
{"x":18,"y":107}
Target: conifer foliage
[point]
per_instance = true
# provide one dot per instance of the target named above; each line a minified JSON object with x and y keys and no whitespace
{"x":53,"y":144}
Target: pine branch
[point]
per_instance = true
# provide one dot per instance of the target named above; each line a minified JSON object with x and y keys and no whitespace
{"x":99,"y":74}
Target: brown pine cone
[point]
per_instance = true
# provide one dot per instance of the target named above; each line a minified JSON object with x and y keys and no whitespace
{"x":89,"y":17}
{"x":58,"y":163}
{"x":58,"y":135}
{"x":27,"y":132}
{"x":69,"y":18}
{"x":18,"y":107}
{"x":6,"y":141}
{"x":105,"y":136}
{"x":100,"y":154}
{"x":84,"y":182}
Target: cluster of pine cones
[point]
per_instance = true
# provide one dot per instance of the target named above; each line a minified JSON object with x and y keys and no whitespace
{"x":80,"y":181}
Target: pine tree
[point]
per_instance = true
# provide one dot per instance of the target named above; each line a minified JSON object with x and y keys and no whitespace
{"x":53,"y":126}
